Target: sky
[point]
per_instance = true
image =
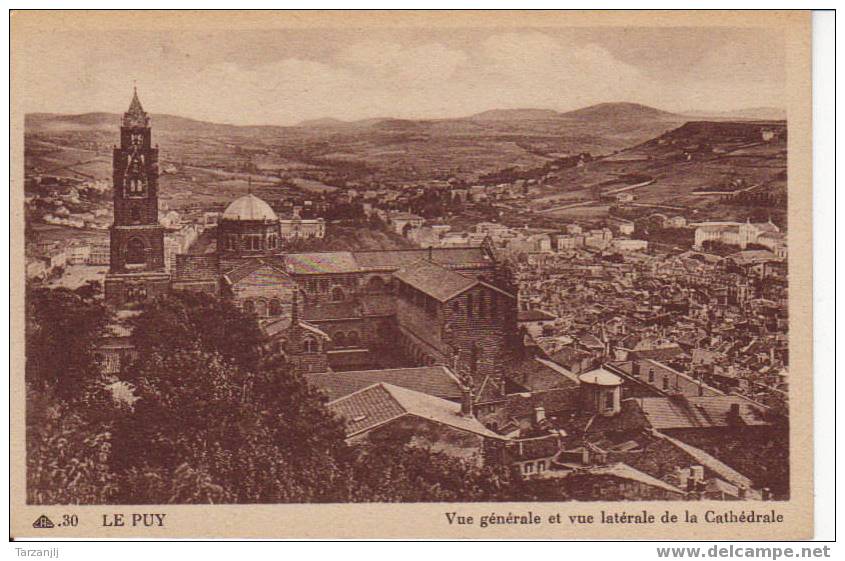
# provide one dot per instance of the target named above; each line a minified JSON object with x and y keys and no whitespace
{"x":282,"y":77}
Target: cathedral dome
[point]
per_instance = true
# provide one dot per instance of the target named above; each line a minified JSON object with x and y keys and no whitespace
{"x":249,"y":207}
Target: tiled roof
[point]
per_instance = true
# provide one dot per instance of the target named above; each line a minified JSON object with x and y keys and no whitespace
{"x":432,"y":380}
{"x":630,"y":418}
{"x":436,"y":281}
{"x":196,"y":268}
{"x":534,"y":315}
{"x":247,"y":268}
{"x":537,"y":374}
{"x":752,"y":256}
{"x":451,"y":257}
{"x":330,"y":262}
{"x":366,"y":409}
{"x":712,"y":463}
{"x":682,"y":412}
{"x":624,"y":471}
{"x":377,"y":404}
{"x":679,"y":382}
{"x":275,"y":326}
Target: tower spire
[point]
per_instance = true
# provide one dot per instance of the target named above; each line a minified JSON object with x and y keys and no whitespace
{"x":135,"y":115}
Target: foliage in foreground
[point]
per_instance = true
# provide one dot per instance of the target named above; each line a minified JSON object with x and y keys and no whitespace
{"x":208,"y":424}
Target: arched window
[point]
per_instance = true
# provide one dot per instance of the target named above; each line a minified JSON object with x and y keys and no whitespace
{"x":353,"y":339}
{"x":339,"y":339}
{"x":665,"y":382}
{"x":135,"y":252}
{"x":230,"y":242}
{"x":338,"y":294}
{"x":651,"y":375}
{"x":310,"y":346}
{"x":261,"y":308}
{"x":249,"y":307}
{"x":275,"y":307}
{"x":375,"y":284}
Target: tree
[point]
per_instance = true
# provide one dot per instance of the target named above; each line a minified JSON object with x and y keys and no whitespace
{"x":62,"y":329}
{"x":66,"y":455}
{"x":188,"y":320}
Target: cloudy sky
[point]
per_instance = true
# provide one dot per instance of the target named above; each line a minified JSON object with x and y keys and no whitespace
{"x":284,"y":77}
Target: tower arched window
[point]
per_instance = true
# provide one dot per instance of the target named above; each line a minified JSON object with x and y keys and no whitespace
{"x":249,"y":307}
{"x":261,"y":308}
{"x":135,"y":252}
{"x":275,"y":307}
{"x":338,"y":295}
{"x":310,"y":346}
{"x":353,"y":339}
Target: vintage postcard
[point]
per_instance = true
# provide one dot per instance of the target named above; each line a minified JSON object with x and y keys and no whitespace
{"x":411,"y":275}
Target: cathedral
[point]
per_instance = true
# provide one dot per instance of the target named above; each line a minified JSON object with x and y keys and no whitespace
{"x":319,"y":311}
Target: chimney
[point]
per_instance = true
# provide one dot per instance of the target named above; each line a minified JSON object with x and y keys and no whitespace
{"x":697,"y":473}
{"x":743,"y":492}
{"x":539,"y":414}
{"x":733,"y":414}
{"x":585,"y":456}
{"x":766,"y":493}
{"x":683,"y":477}
{"x":466,"y":401}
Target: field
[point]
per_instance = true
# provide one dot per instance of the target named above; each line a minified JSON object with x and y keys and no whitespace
{"x":664,"y":173}
{"x":661,"y":159}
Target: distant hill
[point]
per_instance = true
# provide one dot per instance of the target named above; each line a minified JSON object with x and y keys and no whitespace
{"x":515,"y":115}
{"x":620,"y":111}
{"x":749,"y":114}
{"x":324,"y":122}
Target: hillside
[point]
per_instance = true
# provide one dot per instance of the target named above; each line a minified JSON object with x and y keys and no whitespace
{"x":691,"y":170}
{"x":620,"y":111}
{"x":382,"y":150}
{"x":662,"y":159}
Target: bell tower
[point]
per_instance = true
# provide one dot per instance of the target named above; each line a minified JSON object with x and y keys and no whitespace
{"x":136,"y":264}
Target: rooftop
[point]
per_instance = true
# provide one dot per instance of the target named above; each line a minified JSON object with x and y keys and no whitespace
{"x":249,"y":207}
{"x":600,"y":377}
{"x":432,"y":380}
{"x":317,"y":263}
{"x":683,"y":412}
{"x":380,"y":403}
{"x":438,"y":282}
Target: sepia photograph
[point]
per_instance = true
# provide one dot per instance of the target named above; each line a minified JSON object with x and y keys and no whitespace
{"x":430,"y":260}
